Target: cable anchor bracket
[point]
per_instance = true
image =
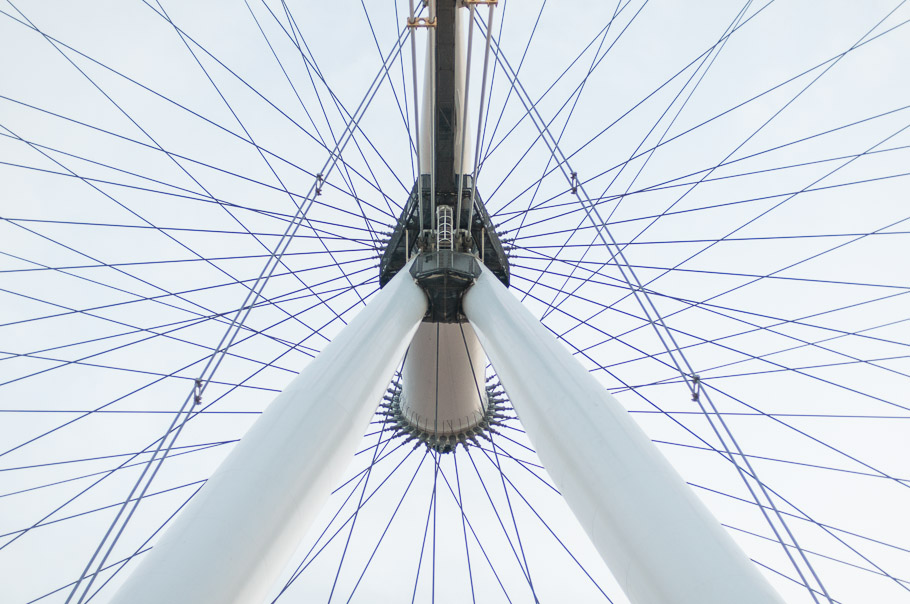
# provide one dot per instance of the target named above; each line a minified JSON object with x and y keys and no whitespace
{"x":696,"y":386}
{"x":414,"y":22}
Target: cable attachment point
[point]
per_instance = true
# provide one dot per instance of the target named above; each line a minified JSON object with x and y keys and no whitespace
{"x":574,"y":176}
{"x":414,"y":22}
{"x":696,"y":386}
{"x":197,"y":392}
{"x":319,"y":182}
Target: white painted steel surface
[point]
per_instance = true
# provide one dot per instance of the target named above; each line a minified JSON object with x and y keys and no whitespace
{"x":660,"y":542}
{"x":427,"y":159}
{"x":460,"y":375}
{"x":235,"y":537}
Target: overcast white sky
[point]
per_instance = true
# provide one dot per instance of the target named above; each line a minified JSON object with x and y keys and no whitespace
{"x":143,"y":175}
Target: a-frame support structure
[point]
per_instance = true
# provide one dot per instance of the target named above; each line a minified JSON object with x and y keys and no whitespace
{"x":234,"y":538}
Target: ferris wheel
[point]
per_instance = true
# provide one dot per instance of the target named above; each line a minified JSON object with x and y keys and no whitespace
{"x":591,"y":303}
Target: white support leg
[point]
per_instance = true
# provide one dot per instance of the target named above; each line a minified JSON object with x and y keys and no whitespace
{"x":235,"y":537}
{"x":659,"y":540}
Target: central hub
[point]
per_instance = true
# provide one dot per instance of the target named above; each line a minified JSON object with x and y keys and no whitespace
{"x":444,"y":276}
{"x":446,"y":235}
{"x":437,"y":232}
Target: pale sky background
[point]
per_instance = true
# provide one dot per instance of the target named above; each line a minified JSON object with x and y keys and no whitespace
{"x":132,"y":201}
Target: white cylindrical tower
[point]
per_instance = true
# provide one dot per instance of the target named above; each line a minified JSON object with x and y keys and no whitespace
{"x":426,"y":114}
{"x":442,"y":390}
{"x":443,"y":379}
